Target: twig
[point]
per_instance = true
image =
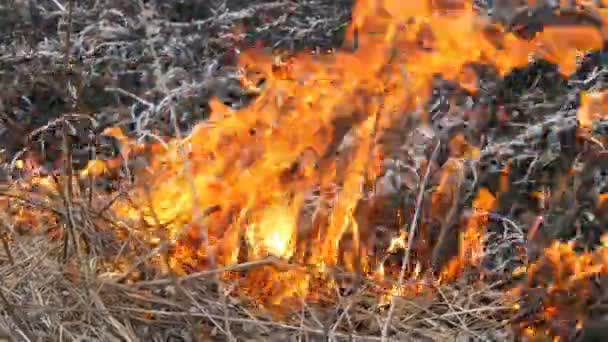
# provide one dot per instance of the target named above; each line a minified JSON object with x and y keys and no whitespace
{"x":148,"y":104}
{"x":410,"y":237}
{"x":68,"y":194}
{"x":453,"y":311}
{"x":11,"y":123}
{"x":200,"y":308}
{"x":118,"y":327}
{"x":18,"y":318}
{"x":7,"y":249}
{"x":202,"y":274}
{"x":469,"y":311}
{"x":60,"y":6}
{"x":228,"y":16}
{"x":246,"y":320}
{"x":30,"y":202}
{"x":68,"y":45}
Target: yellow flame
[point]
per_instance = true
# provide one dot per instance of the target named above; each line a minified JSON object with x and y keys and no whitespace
{"x":274,"y":232}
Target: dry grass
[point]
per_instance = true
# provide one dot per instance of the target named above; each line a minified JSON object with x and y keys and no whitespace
{"x":48,"y":300}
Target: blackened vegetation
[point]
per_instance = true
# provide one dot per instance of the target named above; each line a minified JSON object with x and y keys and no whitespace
{"x":530,"y":140}
{"x":526,"y":127}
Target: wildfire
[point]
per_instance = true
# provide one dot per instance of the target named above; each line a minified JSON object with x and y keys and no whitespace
{"x":273,"y":232}
{"x":288,"y":173}
{"x":565,"y":280}
{"x":291,"y":175}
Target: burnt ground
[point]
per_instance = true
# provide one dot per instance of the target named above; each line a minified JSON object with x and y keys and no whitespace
{"x":126,"y":63}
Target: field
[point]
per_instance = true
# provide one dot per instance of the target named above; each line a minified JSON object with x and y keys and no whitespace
{"x":230,"y":170}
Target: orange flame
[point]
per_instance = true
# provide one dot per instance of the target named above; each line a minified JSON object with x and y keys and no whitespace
{"x":251,"y":174}
{"x":562,"y":282}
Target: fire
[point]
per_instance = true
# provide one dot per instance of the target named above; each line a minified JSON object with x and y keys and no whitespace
{"x":593,"y":108}
{"x":291,"y":175}
{"x":287,"y":173}
{"x":554,"y":296}
{"x":273,"y":232}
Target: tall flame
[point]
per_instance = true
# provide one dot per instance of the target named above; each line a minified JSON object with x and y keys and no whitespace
{"x":287,"y":173}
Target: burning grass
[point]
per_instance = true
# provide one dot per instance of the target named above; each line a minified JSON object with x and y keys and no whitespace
{"x":339,"y":203}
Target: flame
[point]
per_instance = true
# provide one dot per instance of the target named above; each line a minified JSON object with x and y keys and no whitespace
{"x":273,"y":232}
{"x":471,"y":241}
{"x":287,"y":184}
{"x":594,"y":106}
{"x":554,"y":297}
{"x":251,"y":174}
{"x":288,"y":176}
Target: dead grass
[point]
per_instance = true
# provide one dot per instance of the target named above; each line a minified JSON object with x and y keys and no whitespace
{"x":48,"y":300}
